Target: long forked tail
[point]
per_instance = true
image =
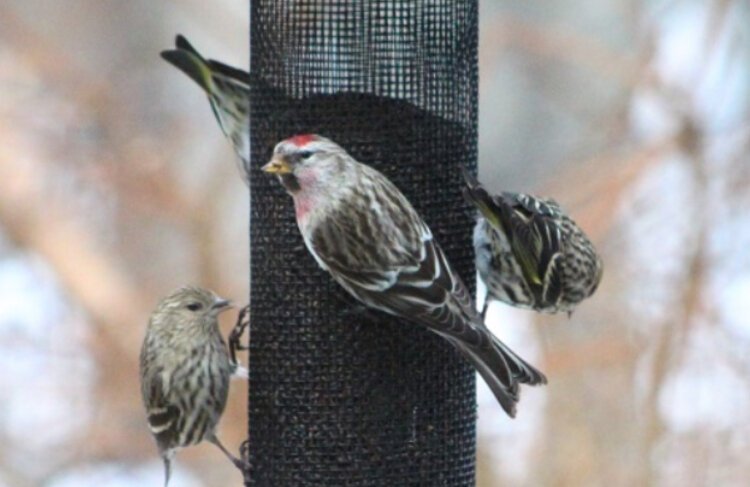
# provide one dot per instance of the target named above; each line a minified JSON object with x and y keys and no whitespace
{"x":474,"y":192}
{"x":188,"y":60}
{"x":502,"y":369}
{"x":521,"y":370}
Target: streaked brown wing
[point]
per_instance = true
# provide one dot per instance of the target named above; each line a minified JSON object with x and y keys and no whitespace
{"x":163,"y":418}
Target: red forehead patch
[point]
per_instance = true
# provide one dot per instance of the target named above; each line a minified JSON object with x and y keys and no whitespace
{"x":301,"y":140}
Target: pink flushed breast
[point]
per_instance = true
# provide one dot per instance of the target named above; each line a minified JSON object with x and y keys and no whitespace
{"x":305,"y":198}
{"x":302,"y":206}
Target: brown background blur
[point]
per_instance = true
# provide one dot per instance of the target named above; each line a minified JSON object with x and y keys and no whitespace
{"x":116,"y":186}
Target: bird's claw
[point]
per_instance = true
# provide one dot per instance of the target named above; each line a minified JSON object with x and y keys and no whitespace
{"x":235,"y":336}
{"x":241,"y":464}
{"x":245,"y":460}
{"x":245,"y":451}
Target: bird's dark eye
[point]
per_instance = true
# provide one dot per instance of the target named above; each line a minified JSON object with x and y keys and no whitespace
{"x":195,"y":306}
{"x":305,"y":154}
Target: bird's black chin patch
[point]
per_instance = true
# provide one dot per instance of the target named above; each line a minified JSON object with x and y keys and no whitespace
{"x":290,"y":182}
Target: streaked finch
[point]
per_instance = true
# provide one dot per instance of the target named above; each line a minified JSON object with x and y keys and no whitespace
{"x":361,"y":229}
{"x":529,"y":253}
{"x":185,"y":370}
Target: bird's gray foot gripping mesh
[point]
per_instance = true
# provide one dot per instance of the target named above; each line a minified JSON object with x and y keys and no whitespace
{"x":340,"y":395}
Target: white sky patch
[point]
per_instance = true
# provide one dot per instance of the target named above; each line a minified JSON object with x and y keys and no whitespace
{"x":111,"y":475}
{"x":512,"y":439}
{"x":704,"y":392}
{"x":27,"y":297}
{"x":710,"y":67}
{"x":656,"y":238}
{"x":46,"y":390}
{"x":681,"y":43}
{"x":736,"y":306}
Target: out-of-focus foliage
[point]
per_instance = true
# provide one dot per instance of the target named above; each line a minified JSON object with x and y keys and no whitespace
{"x":116,"y":186}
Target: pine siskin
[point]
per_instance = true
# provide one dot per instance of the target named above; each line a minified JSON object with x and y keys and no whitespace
{"x":185,"y":372}
{"x":363,"y":230}
{"x":529,"y":253}
{"x":228,"y":91}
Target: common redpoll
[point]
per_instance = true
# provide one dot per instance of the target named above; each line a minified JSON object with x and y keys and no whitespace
{"x":361,"y":229}
{"x":529,"y":253}
{"x":185,"y":372}
{"x":228,"y":91}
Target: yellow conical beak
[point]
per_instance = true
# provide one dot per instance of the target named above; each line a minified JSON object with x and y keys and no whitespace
{"x":277,"y":165}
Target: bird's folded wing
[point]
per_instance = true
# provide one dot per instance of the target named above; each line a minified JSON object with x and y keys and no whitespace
{"x":423,"y":289}
{"x":536,"y":242}
{"x":163,"y":417}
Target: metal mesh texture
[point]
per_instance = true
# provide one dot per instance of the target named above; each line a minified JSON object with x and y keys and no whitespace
{"x":340,"y":395}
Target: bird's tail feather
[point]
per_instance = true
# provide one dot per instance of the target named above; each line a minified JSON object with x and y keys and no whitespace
{"x":475,"y":194}
{"x":521,"y":370}
{"x":167,"y":468}
{"x":502,"y":369}
{"x":188,"y":60}
{"x":506,"y":392}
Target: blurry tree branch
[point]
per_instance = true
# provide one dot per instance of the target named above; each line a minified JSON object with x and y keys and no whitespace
{"x":37,"y":221}
{"x":133,"y":170}
{"x":584,"y":183}
{"x":556,"y":43}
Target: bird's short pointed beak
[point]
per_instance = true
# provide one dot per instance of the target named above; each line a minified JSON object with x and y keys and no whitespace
{"x":277,"y":165}
{"x":221,"y":304}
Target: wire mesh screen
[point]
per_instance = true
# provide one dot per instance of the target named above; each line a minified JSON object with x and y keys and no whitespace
{"x":340,"y":395}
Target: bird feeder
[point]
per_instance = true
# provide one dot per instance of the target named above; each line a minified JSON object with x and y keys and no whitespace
{"x":342,"y":395}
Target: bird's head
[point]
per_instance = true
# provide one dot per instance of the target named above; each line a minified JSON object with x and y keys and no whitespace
{"x":308,"y":162}
{"x":190,"y":305}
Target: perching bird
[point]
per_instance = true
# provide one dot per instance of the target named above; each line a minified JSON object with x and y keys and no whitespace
{"x":185,"y":372}
{"x":228,"y":91}
{"x":529,"y":253}
{"x":361,"y":229}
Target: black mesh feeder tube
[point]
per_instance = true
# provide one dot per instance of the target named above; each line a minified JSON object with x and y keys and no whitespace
{"x":340,"y":395}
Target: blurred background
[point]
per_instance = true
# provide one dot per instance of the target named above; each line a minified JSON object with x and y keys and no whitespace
{"x":116,"y":186}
